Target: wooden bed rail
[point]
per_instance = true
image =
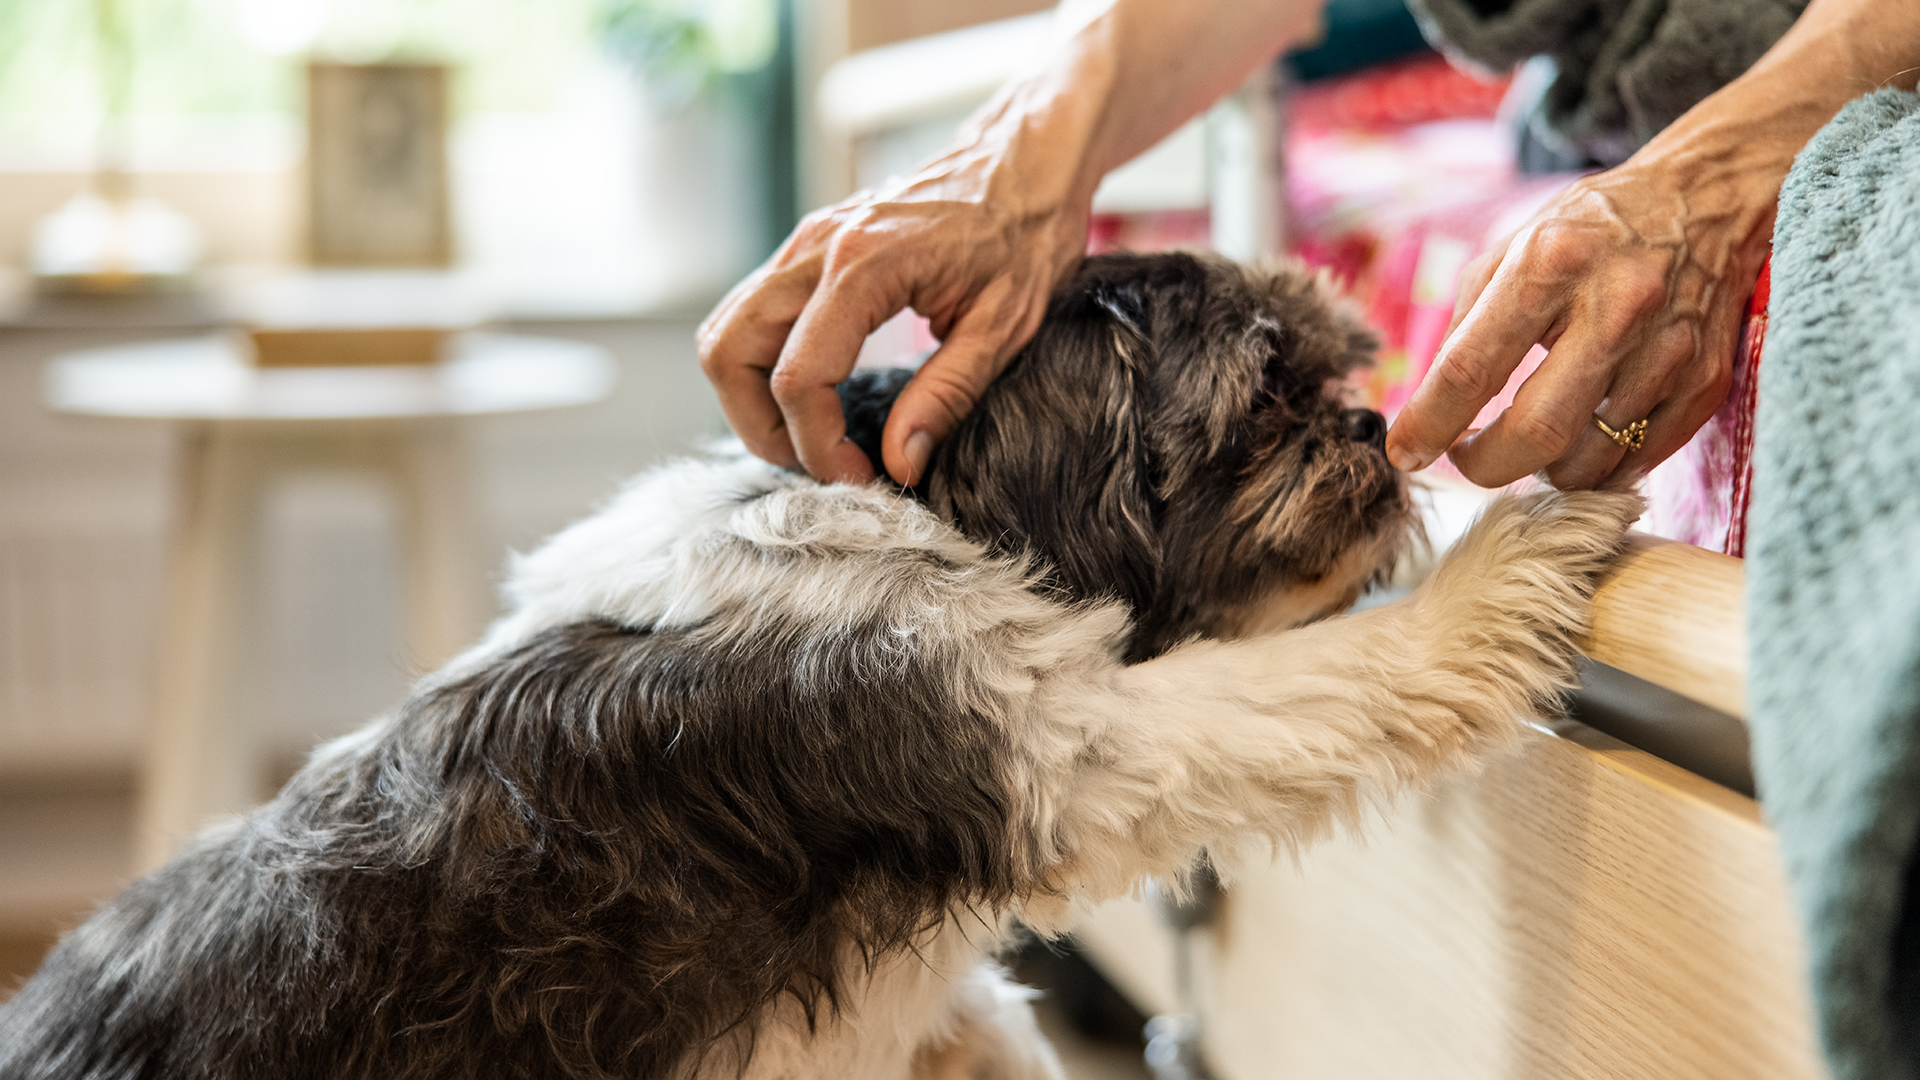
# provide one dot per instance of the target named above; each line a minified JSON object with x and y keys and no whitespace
{"x":1674,"y":615}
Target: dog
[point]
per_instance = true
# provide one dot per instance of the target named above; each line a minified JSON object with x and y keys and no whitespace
{"x":757,"y":773}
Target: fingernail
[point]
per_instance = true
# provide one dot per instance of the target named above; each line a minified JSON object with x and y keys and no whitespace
{"x":1406,"y":460}
{"x":919,"y":449}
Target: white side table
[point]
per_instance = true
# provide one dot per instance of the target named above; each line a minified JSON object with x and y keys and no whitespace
{"x":240,"y":428}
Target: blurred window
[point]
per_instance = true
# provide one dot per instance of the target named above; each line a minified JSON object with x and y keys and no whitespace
{"x":203,"y":82}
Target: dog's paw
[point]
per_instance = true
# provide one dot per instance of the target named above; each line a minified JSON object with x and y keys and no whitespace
{"x":1576,"y":533}
{"x":1519,"y":586}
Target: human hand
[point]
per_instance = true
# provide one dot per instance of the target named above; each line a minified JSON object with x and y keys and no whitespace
{"x":968,"y":241}
{"x":1635,"y":281}
{"x":975,"y":240}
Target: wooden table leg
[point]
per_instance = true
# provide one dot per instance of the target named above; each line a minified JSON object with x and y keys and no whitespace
{"x":447,"y":606}
{"x":198,"y":763}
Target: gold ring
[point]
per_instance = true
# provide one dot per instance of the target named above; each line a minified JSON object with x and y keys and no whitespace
{"x":1633,"y":436}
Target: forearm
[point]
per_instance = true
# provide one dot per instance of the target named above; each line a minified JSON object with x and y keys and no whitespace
{"x":1122,"y":75}
{"x":1741,"y":141}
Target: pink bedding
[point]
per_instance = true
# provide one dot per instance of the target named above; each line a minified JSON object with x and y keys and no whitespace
{"x":1397,"y":178}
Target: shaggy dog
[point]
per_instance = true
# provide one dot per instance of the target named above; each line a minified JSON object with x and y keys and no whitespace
{"x":757,"y":772}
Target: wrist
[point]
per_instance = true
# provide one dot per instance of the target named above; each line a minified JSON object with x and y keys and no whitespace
{"x":1727,"y":157}
{"x":1037,"y":145}
{"x":1739,"y":143}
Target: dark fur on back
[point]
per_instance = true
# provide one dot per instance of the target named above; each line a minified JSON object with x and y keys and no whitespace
{"x":570,"y":862}
{"x":604,"y":851}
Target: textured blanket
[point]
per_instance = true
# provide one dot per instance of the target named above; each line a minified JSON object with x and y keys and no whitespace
{"x":1626,"y":68}
{"x":1833,"y":605}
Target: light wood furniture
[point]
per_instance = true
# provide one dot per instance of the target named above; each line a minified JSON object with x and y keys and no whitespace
{"x":243,"y":427}
{"x":401,"y":346}
{"x":1579,"y":909}
{"x":1673,"y":614}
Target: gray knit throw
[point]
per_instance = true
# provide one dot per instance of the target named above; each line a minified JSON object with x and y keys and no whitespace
{"x":1833,"y":573}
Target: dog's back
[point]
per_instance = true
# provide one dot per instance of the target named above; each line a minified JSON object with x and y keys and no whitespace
{"x":595,"y":851}
{"x":220,"y":964}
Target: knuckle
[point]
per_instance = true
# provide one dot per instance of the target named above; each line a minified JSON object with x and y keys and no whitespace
{"x":786,"y":384}
{"x":713,"y":354}
{"x":1468,"y":373}
{"x":1560,"y":248}
{"x":1639,"y":289}
{"x":718,"y":352}
{"x":1716,"y":378}
{"x":1542,"y":434}
{"x":1713,"y":360}
{"x":1676,"y":348}
{"x":724,"y":369}
{"x":854,"y":243}
{"x":725,"y":315}
{"x":1690,"y":370}
{"x":706,"y":336}
{"x":1705,"y":381}
{"x":818,"y":225}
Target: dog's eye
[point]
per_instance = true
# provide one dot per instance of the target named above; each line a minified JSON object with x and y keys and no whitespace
{"x":1279,"y":383}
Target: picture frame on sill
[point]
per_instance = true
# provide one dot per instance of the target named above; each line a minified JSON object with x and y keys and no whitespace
{"x":377,"y":165}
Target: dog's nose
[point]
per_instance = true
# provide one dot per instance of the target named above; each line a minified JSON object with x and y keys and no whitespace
{"x":1365,"y":425}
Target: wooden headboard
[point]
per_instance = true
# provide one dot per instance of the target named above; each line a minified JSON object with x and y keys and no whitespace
{"x":1674,"y":615}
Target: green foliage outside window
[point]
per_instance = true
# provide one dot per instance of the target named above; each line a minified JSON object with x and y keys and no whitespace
{"x":685,"y":47}
{"x":196,"y":58}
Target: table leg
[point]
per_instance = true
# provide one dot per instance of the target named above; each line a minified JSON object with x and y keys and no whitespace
{"x":446,"y":601}
{"x":197,"y":761}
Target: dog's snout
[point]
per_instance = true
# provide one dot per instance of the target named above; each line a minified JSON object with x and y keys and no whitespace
{"x":1365,"y":425}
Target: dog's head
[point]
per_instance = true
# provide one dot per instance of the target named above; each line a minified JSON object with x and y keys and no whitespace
{"x":1175,"y":436}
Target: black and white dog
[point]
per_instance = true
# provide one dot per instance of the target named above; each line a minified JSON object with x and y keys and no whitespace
{"x":756,"y":773}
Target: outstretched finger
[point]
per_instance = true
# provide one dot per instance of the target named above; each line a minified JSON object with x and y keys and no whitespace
{"x":1473,"y":281}
{"x":1516,"y":311}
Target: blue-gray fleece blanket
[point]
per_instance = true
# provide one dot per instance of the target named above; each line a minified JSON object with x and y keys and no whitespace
{"x":1833,"y":573}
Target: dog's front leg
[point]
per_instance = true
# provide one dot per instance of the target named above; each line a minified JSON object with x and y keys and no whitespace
{"x":1278,"y":736}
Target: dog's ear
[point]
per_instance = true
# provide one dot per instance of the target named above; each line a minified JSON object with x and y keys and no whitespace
{"x":1054,"y":460}
{"x":867,"y":399}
